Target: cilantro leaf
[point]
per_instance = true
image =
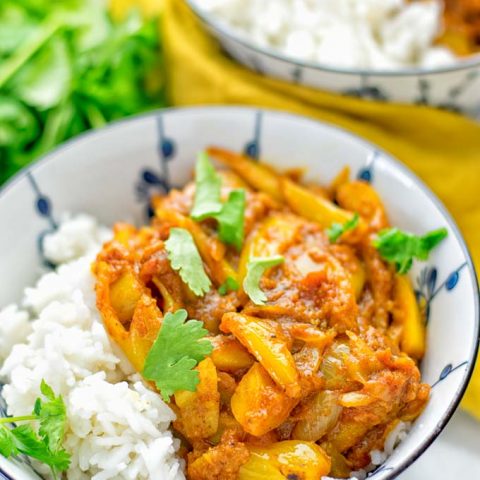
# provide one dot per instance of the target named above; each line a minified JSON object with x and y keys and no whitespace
{"x":231,"y":219}
{"x":208,"y":204}
{"x":28,"y":443}
{"x":53,"y":417}
{"x":7,"y":442}
{"x":46,"y":445}
{"x":184,"y":257}
{"x":176,"y":351}
{"x":336,"y":230}
{"x":400,"y":248}
{"x":256,"y":267}
{"x":229,"y":285}
{"x":207,"y":189}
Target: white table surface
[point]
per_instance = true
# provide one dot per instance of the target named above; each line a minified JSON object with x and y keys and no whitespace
{"x":455,"y":455}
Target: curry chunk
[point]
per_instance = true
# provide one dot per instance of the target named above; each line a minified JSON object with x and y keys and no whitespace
{"x":258,"y":404}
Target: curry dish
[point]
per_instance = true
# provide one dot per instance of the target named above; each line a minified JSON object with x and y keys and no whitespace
{"x":310,"y":374}
{"x":462,"y":26}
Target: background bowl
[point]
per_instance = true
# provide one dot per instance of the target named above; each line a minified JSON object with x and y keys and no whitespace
{"x":112,"y":172}
{"x":453,"y":87}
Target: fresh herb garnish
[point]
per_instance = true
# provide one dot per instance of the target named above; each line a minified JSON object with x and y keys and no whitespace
{"x":256,"y":267}
{"x":336,"y":230}
{"x":400,"y":248}
{"x":176,"y":351}
{"x":231,"y":219}
{"x":68,"y":66}
{"x":46,"y":445}
{"x":229,"y":285}
{"x":208,"y":204}
{"x":207,"y":189}
{"x":184,"y":257}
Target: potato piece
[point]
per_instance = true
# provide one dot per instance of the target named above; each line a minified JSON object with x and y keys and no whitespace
{"x":124,"y":296}
{"x":291,"y":459}
{"x":225,"y":422}
{"x":200,"y":410}
{"x":221,"y":462}
{"x":229,"y":355}
{"x":407,"y":314}
{"x":258,"y":176}
{"x":311,"y":206}
{"x":318,"y":416}
{"x":264,"y":342}
{"x":259,"y":404}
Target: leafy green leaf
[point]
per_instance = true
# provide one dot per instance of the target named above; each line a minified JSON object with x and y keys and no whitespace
{"x":45,"y":80}
{"x":401,"y":248}
{"x":7,"y":442}
{"x":207,"y":203}
{"x":28,"y":443}
{"x":231,"y":219}
{"x":336,"y":230}
{"x":207,"y":189}
{"x":184,"y":257}
{"x":46,"y":445}
{"x":176,"y":351}
{"x":229,"y":285}
{"x":53,"y":417}
{"x":256,"y":267}
{"x":17,"y":124}
{"x":66,"y":67}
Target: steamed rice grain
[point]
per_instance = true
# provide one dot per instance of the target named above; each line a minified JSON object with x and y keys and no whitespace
{"x":117,"y":427}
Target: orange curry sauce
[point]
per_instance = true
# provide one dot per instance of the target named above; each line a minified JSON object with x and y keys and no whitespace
{"x":305,"y":385}
{"x":462,"y":26}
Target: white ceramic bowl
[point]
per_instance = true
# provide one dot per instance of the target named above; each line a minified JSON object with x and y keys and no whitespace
{"x":111,"y":173}
{"x":454,"y":87}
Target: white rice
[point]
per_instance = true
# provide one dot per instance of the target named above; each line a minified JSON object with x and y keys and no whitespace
{"x":117,"y":428}
{"x":376,"y":34}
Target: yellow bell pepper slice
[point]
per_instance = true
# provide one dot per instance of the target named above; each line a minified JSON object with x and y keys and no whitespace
{"x":288,"y":459}
{"x":255,"y":174}
{"x":264,"y":341}
{"x":407,"y":314}
{"x":312,"y":207}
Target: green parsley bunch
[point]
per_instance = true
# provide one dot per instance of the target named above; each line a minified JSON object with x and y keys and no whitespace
{"x":66,"y":67}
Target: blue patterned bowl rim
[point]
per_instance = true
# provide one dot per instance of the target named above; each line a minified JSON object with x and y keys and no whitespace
{"x":396,"y":164}
{"x":220,"y":28}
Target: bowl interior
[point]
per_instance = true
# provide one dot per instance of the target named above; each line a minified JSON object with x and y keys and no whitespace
{"x":111,"y":174}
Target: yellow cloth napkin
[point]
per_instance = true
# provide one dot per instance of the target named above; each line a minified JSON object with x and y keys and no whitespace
{"x":441,"y":147}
